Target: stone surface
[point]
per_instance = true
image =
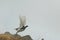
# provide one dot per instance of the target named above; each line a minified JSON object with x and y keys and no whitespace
{"x":27,"y":37}
{"x":9,"y":36}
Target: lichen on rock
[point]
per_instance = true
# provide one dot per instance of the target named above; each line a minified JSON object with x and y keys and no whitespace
{"x":9,"y":36}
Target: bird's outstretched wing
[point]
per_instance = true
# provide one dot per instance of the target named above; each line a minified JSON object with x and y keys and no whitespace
{"x":22,"y":21}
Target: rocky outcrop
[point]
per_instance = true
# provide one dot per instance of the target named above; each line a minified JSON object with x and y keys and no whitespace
{"x":27,"y":37}
{"x":9,"y":36}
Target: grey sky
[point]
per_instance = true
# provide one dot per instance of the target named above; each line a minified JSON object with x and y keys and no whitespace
{"x":43,"y":17}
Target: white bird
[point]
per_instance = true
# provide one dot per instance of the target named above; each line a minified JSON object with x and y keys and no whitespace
{"x":22,"y":26}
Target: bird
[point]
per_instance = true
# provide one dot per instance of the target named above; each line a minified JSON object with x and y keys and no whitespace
{"x":22,"y":25}
{"x":21,"y":29}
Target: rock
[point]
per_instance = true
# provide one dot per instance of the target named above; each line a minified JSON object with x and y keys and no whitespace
{"x":27,"y":37}
{"x":6,"y":37}
{"x":9,"y":36}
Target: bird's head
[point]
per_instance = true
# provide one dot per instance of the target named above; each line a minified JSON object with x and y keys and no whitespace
{"x":16,"y":28}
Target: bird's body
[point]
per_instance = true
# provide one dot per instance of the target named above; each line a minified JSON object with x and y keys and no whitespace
{"x":22,"y":26}
{"x":21,"y":29}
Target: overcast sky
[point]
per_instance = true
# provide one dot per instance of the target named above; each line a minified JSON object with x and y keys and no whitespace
{"x":43,"y":17}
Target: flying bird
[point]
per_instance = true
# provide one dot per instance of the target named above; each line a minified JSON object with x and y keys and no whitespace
{"x":22,"y":25}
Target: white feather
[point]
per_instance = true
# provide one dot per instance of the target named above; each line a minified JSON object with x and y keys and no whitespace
{"x":22,"y":21}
